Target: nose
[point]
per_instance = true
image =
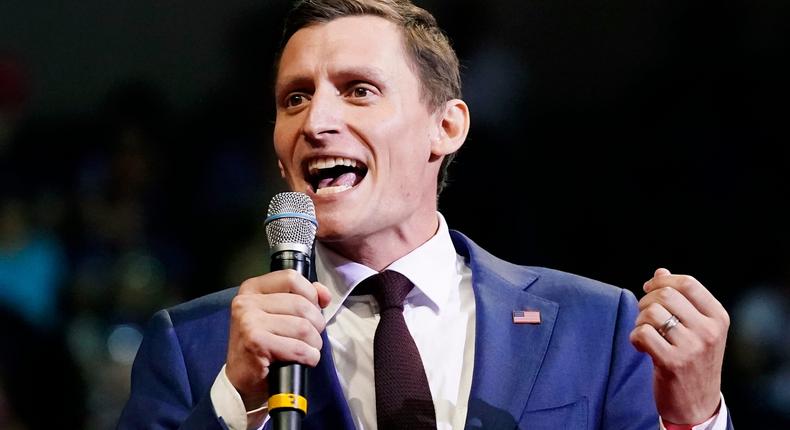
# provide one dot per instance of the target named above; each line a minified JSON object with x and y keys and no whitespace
{"x":323,"y":117}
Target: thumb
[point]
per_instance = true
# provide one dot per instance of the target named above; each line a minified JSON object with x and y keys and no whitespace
{"x":324,"y":296}
{"x":648,"y":286}
{"x":661,"y":272}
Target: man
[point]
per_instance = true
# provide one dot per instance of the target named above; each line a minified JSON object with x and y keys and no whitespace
{"x":368,"y":115}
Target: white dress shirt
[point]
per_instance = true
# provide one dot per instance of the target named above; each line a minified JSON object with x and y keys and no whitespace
{"x":440,"y":314}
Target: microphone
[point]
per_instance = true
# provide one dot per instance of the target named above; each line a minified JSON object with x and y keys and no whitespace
{"x":290,"y":228}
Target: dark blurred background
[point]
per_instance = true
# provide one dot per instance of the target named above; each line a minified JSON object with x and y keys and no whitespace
{"x":608,"y":138}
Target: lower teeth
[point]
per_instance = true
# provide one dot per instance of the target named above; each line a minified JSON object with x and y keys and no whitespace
{"x":332,"y":190}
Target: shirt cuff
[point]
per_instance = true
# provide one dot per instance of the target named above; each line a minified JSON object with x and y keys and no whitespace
{"x":229,"y":406}
{"x":716,"y":422}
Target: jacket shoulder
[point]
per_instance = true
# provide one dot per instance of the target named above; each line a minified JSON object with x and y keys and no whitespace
{"x":213,"y":305}
{"x":551,"y":284}
{"x":561,"y":286}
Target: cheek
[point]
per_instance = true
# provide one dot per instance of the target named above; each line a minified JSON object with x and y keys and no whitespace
{"x":406,"y":136}
{"x":283,"y":144}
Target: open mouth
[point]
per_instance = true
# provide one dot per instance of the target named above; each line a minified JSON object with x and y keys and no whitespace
{"x":329,"y":175}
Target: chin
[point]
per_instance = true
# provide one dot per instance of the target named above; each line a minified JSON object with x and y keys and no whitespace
{"x":332,"y":228}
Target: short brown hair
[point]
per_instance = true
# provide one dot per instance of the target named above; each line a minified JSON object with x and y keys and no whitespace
{"x":426,"y":45}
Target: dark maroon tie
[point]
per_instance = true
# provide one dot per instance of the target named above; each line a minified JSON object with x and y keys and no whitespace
{"x":403,"y":398}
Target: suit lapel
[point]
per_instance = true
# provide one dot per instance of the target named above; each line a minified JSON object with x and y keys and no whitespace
{"x":508,"y":356}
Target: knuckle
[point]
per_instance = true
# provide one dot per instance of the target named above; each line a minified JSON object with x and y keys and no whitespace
{"x":725,"y":319}
{"x":635,"y":337}
{"x":238,"y":305}
{"x":257,"y":350}
{"x":303,"y":328}
{"x":255,"y":343}
{"x":709,"y":339}
{"x":710,"y":335}
{"x":319,"y":343}
{"x":312,"y":295}
{"x":654,"y":311}
{"x":301,"y":307}
{"x":246,"y":285}
{"x":321,"y":324}
{"x":300,"y":352}
{"x":640,"y":333}
{"x":304,"y":353}
{"x":292,"y":276}
{"x":666,"y":294}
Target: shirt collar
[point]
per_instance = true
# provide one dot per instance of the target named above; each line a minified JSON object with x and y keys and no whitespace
{"x":430,"y":267}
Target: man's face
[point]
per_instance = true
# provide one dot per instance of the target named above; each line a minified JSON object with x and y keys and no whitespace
{"x":348,"y":97}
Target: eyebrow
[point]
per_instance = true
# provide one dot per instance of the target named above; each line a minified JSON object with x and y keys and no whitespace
{"x":292,"y":82}
{"x":362,"y":73}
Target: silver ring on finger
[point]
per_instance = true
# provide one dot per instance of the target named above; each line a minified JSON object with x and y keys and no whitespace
{"x":668,"y":325}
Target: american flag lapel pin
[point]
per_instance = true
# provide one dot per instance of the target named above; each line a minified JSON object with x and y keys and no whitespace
{"x":526,"y":317}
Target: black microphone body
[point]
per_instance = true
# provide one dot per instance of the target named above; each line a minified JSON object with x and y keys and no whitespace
{"x":288,"y":378}
{"x":290,"y":228}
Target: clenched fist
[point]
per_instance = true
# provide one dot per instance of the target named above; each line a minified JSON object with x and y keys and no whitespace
{"x":688,"y":353}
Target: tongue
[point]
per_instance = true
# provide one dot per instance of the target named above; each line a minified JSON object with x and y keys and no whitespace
{"x":348,"y":178}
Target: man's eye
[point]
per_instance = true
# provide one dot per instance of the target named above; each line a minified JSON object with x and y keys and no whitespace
{"x":361,"y":92}
{"x":295,"y":100}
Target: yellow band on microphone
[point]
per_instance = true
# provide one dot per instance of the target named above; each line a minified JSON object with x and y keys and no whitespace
{"x":288,"y":400}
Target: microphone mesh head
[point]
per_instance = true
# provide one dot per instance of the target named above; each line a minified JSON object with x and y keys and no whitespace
{"x":291,"y":220}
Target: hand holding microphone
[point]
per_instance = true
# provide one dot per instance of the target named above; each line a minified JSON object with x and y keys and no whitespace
{"x":276,"y":318}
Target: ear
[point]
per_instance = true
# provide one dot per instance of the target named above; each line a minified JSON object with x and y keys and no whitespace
{"x":452,"y":130}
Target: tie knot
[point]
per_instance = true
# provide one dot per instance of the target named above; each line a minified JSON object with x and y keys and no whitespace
{"x":388,"y":287}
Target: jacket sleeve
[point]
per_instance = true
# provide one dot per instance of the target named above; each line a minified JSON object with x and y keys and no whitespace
{"x":161,"y":397}
{"x":630,"y":403}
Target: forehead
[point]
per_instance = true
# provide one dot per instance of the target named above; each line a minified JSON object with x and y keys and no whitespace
{"x":356,"y":41}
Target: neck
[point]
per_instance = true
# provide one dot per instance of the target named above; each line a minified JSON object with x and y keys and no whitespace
{"x":381,"y":249}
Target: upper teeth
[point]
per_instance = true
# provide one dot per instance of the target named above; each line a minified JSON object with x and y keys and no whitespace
{"x":329,"y":162}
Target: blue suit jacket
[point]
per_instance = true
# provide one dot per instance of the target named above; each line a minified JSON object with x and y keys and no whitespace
{"x":574,"y":370}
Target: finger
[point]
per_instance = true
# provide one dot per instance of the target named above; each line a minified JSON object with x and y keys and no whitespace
{"x":294,"y":328}
{"x":693,"y":290}
{"x":286,"y":349}
{"x":284,"y":304}
{"x":654,"y":314}
{"x":646,"y":339}
{"x":281,"y":281}
{"x":661,"y":272}
{"x":657,"y":317}
{"x":324,"y":296}
{"x":675,"y":303}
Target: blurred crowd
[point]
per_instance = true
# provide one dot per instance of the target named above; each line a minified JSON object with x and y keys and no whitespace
{"x":101,"y":225}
